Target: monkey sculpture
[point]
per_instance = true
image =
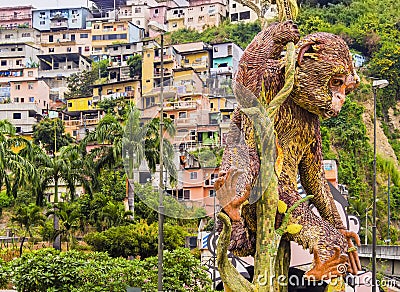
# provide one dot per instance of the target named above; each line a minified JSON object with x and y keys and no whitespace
{"x":324,"y":75}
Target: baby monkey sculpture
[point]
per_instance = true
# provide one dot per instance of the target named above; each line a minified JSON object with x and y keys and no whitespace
{"x":324,"y":75}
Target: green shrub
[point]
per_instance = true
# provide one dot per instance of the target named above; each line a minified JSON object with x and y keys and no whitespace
{"x":138,"y":240}
{"x":73,"y":271}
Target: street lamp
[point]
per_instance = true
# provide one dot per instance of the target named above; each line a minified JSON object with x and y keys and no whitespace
{"x":158,"y":27}
{"x":375,"y":85}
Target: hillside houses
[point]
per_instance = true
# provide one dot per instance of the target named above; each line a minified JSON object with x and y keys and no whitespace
{"x":41,"y":48}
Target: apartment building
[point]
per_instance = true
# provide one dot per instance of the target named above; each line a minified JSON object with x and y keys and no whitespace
{"x":240,"y":13}
{"x":195,"y":55}
{"x":119,"y":56}
{"x":29,"y":36}
{"x":60,"y":18}
{"x":151,"y":66}
{"x":106,"y":33}
{"x":16,"y":17}
{"x":138,"y":12}
{"x":78,"y":41}
{"x":23,"y":97}
{"x":203,"y":13}
{"x":225,"y":58}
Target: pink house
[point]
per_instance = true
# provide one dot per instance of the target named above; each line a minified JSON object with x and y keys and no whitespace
{"x":17,"y":16}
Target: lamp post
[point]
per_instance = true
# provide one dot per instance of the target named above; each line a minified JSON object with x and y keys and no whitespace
{"x":157,"y":27}
{"x":375,"y":85}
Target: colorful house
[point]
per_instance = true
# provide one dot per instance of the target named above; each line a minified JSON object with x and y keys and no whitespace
{"x":16,"y":17}
{"x":67,"y":41}
{"x":205,"y":13}
{"x":60,"y":18}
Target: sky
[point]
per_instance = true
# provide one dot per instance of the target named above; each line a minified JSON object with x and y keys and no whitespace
{"x":45,"y":3}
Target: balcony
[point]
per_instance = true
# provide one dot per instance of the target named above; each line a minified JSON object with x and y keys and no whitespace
{"x":81,"y":122}
{"x":167,"y":58}
{"x":17,"y":16}
{"x":56,"y":25}
{"x":194,"y":65}
{"x":221,"y":70}
{"x":180,"y":105}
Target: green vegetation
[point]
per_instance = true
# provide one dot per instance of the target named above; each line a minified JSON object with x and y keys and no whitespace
{"x":51,"y":270}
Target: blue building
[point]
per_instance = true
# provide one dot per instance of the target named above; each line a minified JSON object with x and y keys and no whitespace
{"x":60,"y":18}
{"x":225,"y":59}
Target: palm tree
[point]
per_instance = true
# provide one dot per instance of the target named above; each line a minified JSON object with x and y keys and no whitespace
{"x":114,"y":214}
{"x":69,"y":215}
{"x":27,"y":217}
{"x":15,"y":170}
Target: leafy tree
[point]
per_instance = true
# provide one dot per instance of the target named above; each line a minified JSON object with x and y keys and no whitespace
{"x":51,"y":134}
{"x":99,"y":69}
{"x":80,"y":84}
{"x":27,"y":217}
{"x":135,"y":65}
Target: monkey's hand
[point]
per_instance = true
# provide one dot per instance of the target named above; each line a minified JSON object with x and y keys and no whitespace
{"x":225,"y":187}
{"x":286,"y":32}
{"x":354,"y":261}
{"x":333,"y":267}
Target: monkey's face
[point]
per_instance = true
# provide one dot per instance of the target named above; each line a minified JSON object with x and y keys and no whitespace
{"x":324,"y":76}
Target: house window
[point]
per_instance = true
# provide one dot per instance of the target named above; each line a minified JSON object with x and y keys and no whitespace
{"x":30,"y":86}
{"x":245,"y":15}
{"x":211,"y":193}
{"x":201,"y":18}
{"x":3,"y":62}
{"x":192,"y":135}
{"x":156,"y":11}
{"x":16,"y":116}
{"x":215,"y":49}
{"x":17,"y":87}
{"x":8,"y":36}
{"x":87,"y":49}
{"x":128,"y":47}
{"x":30,"y":73}
{"x":16,"y":99}
{"x":193,"y":175}
{"x":69,"y":49}
{"x":234,"y":17}
{"x":233,"y":5}
{"x":22,"y":99}
{"x":26,"y":34}
{"x":84,"y":36}
{"x":18,"y":129}
{"x":70,"y":104}
{"x":182,"y":115}
{"x":139,"y":10}
{"x":174,"y":25}
{"x":31,"y":99}
{"x":42,"y":22}
{"x":96,"y":26}
{"x":186,"y":194}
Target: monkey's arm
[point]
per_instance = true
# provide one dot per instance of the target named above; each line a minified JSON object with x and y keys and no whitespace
{"x":313,"y":180}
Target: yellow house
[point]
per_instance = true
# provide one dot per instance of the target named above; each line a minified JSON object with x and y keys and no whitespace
{"x":176,"y":18}
{"x":128,"y":89}
{"x":151,"y":66}
{"x":195,"y":55}
{"x":105,"y":33}
{"x":80,"y":104}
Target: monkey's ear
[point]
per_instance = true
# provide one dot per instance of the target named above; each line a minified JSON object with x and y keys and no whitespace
{"x":306,"y":47}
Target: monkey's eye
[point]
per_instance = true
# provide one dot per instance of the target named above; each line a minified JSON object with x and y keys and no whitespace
{"x":337,"y":82}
